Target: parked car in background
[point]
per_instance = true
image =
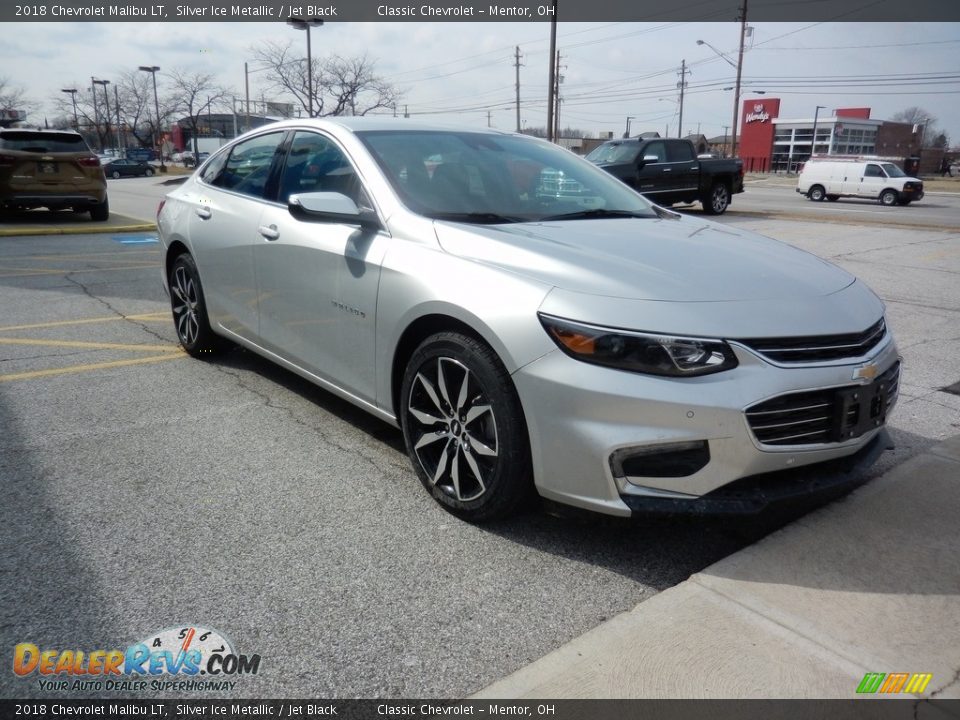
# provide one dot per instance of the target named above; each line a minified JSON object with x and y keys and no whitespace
{"x":55,"y":169}
{"x":189,"y":161}
{"x":834,"y":178}
{"x":593,"y":347}
{"x":668,"y":171}
{"x":127,"y":168}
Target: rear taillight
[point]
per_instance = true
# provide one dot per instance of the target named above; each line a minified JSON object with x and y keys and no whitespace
{"x":92,"y":161}
{"x":160,"y":207}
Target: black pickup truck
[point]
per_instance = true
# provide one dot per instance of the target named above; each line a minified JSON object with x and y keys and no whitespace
{"x":668,"y":171}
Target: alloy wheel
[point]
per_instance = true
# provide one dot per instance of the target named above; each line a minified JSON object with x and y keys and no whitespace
{"x":454,"y":428}
{"x":185,"y":304}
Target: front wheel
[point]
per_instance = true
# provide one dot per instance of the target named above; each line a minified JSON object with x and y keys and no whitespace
{"x":817,"y":193}
{"x":717,"y":202}
{"x":148,"y":172}
{"x":464,"y":428}
{"x":889,"y":197}
{"x":115,"y":174}
{"x":190,"y":310}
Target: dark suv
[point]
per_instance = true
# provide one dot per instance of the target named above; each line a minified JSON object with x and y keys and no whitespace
{"x":54,"y":169}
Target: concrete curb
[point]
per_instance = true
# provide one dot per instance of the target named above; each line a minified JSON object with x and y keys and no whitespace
{"x":869,"y":584}
{"x":837,"y":220}
{"x":129,"y":224}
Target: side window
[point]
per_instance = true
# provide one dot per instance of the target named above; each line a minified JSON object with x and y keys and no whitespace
{"x":656,"y":149}
{"x":214,"y":167}
{"x":873,"y":171}
{"x":247,"y":169}
{"x":316,"y":164}
{"x":679,"y":152}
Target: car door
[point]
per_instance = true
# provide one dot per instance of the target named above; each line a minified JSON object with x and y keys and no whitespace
{"x":683,"y":169}
{"x":872,"y":181}
{"x":225,"y":214}
{"x":318,"y":281}
{"x":652,"y":180}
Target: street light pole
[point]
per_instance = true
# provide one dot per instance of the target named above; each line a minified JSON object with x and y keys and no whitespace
{"x":813,"y":143}
{"x":96,"y":112}
{"x":300,"y":23}
{"x":73,"y":97}
{"x":106,"y":99}
{"x":626,"y":133}
{"x":152,"y":69}
{"x":736,"y":93}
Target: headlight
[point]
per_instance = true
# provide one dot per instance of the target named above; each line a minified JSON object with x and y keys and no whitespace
{"x":649,"y":353}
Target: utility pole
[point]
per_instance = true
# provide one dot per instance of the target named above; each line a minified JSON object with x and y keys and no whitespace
{"x":116,"y":102}
{"x":553,"y":71}
{"x":96,"y":112}
{"x":517,"y":64}
{"x":488,"y":118}
{"x":556,"y":97}
{"x":682,"y":84}
{"x":736,"y":92}
{"x":726,"y":139}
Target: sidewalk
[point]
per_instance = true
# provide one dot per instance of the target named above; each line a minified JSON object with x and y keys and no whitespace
{"x":870,"y":583}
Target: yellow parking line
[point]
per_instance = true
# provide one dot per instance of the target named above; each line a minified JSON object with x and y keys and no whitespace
{"x":145,"y":317}
{"x":54,"y":271}
{"x":93,"y":366}
{"x":89,"y":345}
{"x":83,"y":256}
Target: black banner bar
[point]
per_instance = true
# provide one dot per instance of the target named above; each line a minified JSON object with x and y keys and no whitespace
{"x":875,"y":708}
{"x":474,"y":11}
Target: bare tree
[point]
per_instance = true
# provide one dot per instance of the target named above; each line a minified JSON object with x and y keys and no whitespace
{"x":90,"y":115}
{"x":193,"y":95}
{"x":14,"y":97}
{"x":933,"y":136}
{"x":341,"y":85}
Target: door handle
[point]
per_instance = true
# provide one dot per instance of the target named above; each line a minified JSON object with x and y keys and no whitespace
{"x":203,"y":213}
{"x":269,"y":232}
{"x":668,"y":169}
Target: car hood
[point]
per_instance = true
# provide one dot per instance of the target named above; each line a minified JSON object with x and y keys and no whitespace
{"x":683,"y":260}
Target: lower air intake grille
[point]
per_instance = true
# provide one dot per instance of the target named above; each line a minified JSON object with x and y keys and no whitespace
{"x":824,"y":416}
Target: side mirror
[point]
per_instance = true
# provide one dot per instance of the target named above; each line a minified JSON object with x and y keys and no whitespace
{"x":331,"y":207}
{"x":651,"y":159}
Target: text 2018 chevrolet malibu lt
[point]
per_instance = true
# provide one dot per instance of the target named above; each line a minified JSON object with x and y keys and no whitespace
{"x":585,"y":345}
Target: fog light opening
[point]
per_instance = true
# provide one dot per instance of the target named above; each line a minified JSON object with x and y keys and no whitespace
{"x":669,"y":460}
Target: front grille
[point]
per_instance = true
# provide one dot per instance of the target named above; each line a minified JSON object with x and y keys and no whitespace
{"x":819,"y":348}
{"x":824,"y":416}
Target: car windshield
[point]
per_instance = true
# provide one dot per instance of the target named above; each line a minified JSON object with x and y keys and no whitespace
{"x":47,"y":142}
{"x":489,"y":178}
{"x":892,"y":170}
{"x":614,"y":152}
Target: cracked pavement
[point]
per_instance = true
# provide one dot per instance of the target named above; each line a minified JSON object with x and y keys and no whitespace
{"x":154,"y":490}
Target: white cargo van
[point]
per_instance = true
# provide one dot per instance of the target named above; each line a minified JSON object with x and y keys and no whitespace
{"x":862,"y":178}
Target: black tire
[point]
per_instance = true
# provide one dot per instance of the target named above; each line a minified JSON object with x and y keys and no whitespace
{"x":717,"y":201}
{"x":100,"y":213}
{"x":817,"y":193}
{"x":116,"y":174}
{"x":889,"y":197}
{"x":148,"y":172}
{"x":464,"y":428}
{"x":906,"y":201}
{"x":190,"y":310}
{"x":833,"y":198}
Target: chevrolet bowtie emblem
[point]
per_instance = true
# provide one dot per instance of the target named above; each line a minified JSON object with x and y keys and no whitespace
{"x":866,"y":372}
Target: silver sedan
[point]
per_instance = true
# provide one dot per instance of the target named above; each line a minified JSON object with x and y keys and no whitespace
{"x":529,"y":336}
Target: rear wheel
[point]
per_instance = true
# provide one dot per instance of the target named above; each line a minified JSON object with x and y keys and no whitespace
{"x":903,"y":202}
{"x":101,"y":212}
{"x":116,"y":174}
{"x":817,"y":193}
{"x":718,"y":200}
{"x":889,"y":197}
{"x":190,"y":310}
{"x":148,"y":172}
{"x":464,"y":428}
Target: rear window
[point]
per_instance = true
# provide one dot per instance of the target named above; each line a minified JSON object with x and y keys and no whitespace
{"x":42,"y":142}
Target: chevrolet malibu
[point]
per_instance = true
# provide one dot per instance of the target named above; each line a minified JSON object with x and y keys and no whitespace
{"x":588,"y":346}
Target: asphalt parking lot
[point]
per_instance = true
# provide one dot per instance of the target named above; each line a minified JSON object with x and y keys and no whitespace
{"x":145,"y":490}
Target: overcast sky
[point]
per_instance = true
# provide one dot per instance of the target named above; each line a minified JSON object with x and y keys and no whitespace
{"x":459,"y":71}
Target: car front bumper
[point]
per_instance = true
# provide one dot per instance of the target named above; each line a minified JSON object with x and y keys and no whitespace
{"x":592,"y":429}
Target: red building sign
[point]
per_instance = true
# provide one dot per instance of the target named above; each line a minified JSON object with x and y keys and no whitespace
{"x":756,"y":132}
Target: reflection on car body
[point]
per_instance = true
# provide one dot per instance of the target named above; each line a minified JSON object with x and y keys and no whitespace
{"x":612,"y":356}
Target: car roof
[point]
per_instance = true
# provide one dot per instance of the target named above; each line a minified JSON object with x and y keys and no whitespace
{"x":358,"y":123}
{"x":38,"y":130}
